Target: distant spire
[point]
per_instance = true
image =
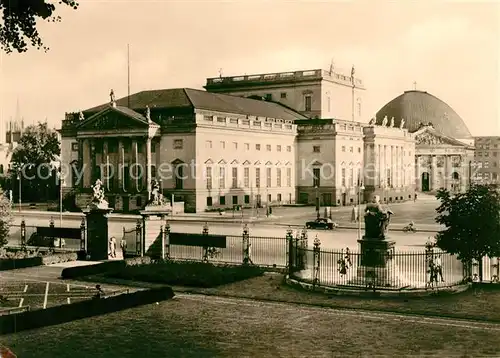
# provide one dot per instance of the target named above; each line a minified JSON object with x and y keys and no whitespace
{"x":415,"y":85}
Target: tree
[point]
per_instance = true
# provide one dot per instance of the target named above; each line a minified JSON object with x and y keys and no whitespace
{"x":19,"y":25}
{"x":472,"y":221}
{"x":33,"y":161}
{"x":5,"y":218}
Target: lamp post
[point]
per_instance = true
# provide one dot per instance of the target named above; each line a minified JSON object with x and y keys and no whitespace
{"x":317,"y":201}
{"x":360,"y":188}
{"x":19,"y":172}
{"x":61,"y":183}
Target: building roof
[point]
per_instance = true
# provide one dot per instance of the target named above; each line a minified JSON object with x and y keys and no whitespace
{"x":199,"y":99}
{"x":417,"y":108}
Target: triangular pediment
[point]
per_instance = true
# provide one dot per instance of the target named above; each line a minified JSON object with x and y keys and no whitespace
{"x":278,"y":163}
{"x":257,"y":162}
{"x":317,"y":163}
{"x":114,"y":118}
{"x":209,"y":162}
{"x":269,"y":162}
{"x":235,"y":162}
{"x":429,"y":137}
{"x":222,"y":162}
{"x":177,"y":161}
{"x":288,"y":163}
{"x":247,"y":162}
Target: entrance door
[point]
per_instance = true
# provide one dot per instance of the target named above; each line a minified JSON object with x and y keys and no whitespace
{"x":425,"y":181}
{"x":126,"y":203}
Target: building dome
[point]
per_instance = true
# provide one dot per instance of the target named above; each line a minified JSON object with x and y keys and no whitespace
{"x":417,"y":108}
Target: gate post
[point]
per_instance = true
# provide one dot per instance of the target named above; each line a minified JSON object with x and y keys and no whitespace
{"x":138,"y":240}
{"x":303,"y":247}
{"x":246,"y":245}
{"x":317,"y":260}
{"x":291,"y":254}
{"x":205,"y":248}
{"x":23,"y":235}
{"x":51,"y":225}
{"x":166,"y":241}
{"x":83,"y":236}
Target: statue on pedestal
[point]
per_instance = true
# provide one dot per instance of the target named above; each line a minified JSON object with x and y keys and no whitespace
{"x":156,"y":198}
{"x":391,"y":124}
{"x":384,"y":121}
{"x":98,"y":200}
{"x":401,"y":126}
{"x":377,"y":220}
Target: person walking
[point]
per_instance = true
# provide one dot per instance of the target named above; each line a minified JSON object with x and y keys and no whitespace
{"x":112,"y":247}
{"x":438,"y":268}
{"x":123,"y":247}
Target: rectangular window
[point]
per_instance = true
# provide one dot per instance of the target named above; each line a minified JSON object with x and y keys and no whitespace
{"x":351,"y":149}
{"x":268,"y":177}
{"x":74,"y":147}
{"x":269,"y":198}
{"x":246,"y":177}
{"x":153,"y":146}
{"x":235,"y":145}
{"x":222,"y":145}
{"x":127,"y":146}
{"x":343,"y":176}
{"x":209,"y":177}
{"x":343,"y":148}
{"x":209,"y":201}
{"x":351,"y":178}
{"x":179,"y":177}
{"x":288,"y":148}
{"x":283,"y":94}
{"x":279,"y":198}
{"x":308,"y":103}
{"x":247,"y":199}
{"x":316,"y":149}
{"x":247,"y":146}
{"x":222,"y":200}
{"x":359,"y":149}
{"x":208,"y":144}
{"x":359,"y":109}
{"x":257,"y":147}
{"x":257,"y":177}
{"x":278,"y":148}
{"x":288,"y":177}
{"x":388,"y":178}
{"x":234,"y":181}
{"x":235,"y":199}
{"x":268,"y":147}
{"x":178,"y":143}
{"x":278,"y":177}
{"x":138,"y":201}
{"x":316,"y":177}
{"x":222,"y":178}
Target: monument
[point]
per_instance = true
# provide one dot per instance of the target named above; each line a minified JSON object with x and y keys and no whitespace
{"x":97,"y":245}
{"x":376,"y":250}
{"x":154,"y":222}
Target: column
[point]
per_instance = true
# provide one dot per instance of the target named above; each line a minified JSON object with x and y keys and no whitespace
{"x":148,"y":166}
{"x":433,"y":172}
{"x":402,"y":165}
{"x":92,"y":162}
{"x":135,"y":163}
{"x":105,"y":169}
{"x":120,"y":166}
{"x":81,"y":166}
{"x":418,"y":174}
{"x":447,"y":174}
{"x":463,"y":173}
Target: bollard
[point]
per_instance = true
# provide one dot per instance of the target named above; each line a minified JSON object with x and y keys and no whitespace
{"x":316,"y":260}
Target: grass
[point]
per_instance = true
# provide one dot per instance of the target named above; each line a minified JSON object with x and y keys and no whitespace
{"x":193,"y":274}
{"x":206,"y":327}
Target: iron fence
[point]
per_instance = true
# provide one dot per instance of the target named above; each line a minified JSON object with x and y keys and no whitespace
{"x":22,"y":236}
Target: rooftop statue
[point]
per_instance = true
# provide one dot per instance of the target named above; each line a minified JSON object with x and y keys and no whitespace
{"x":392,"y":122}
{"x":373,"y":121}
{"x":402,"y":124}
{"x":112,"y":98}
{"x":81,"y":117}
{"x":384,"y":122}
{"x":148,"y":113}
{"x":376,"y":220}
{"x":98,"y":199}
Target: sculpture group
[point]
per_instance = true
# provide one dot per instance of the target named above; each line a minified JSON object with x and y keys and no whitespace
{"x":98,"y":199}
{"x":377,"y":220}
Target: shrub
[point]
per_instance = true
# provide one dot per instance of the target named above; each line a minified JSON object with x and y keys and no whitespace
{"x":195,"y":274}
{"x":5,"y":218}
{"x":59,"y":257}
{"x":82,"y":271}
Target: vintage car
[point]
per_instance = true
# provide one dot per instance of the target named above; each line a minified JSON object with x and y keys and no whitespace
{"x":321,"y":223}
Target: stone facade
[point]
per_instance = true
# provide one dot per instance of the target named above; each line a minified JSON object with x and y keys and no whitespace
{"x":486,"y":165}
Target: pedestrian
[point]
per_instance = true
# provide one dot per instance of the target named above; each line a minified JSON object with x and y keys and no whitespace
{"x":123,"y":246}
{"x":438,"y":268}
{"x":415,"y":198}
{"x":354,"y":214}
{"x":250,"y":254}
{"x":112,"y":247}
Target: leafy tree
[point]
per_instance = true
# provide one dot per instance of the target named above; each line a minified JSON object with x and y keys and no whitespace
{"x":472,"y":221}
{"x":19,"y":25}
{"x":33,"y":159}
{"x":5,"y":218}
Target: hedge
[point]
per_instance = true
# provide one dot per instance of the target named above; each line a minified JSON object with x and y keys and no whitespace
{"x":100,"y":268}
{"x":39,"y":260}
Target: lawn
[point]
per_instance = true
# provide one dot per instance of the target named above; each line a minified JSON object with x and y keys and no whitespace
{"x":197,"y":326}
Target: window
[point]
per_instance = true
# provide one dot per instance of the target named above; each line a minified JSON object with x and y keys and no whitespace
{"x":269,"y":198}
{"x":288,"y":148}
{"x":316,"y":149}
{"x":235,"y":199}
{"x":268,"y":177}
{"x":208,"y":144}
{"x":268,"y":147}
{"x":178,"y":143}
{"x":222,"y":178}
{"x":389,"y":178}
{"x":359,"y":149}
{"x":208,"y":118}
{"x":179,"y":177}
{"x":288,"y":177}
{"x":222,"y":144}
{"x":209,"y":201}
{"x":278,"y":148}
{"x":235,"y":145}
{"x":351,"y":149}
{"x":257,"y":147}
{"x":494,"y":154}
{"x":127,"y":145}
{"x":234,"y":181}
{"x":139,"y":147}
{"x":343,"y":176}
{"x":283,"y":95}
{"x":351,"y":178}
{"x":209,"y":177}
{"x":221,"y":119}
{"x":269,"y":97}
{"x":257,"y":177}
{"x":222,"y":200}
{"x":246,"y":177}
{"x":247,"y":199}
{"x":279,"y":198}
{"x":278,"y":177}
{"x":328,"y":103}
{"x":74,"y":147}
{"x":308,"y":103}
{"x":316,"y":176}
{"x":247,"y":146}
{"x":153,"y":171}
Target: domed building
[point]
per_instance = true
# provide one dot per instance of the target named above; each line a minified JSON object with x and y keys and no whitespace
{"x":444,"y":145}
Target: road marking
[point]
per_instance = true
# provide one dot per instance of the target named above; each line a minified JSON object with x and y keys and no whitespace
{"x":384,"y":316}
{"x":41,"y":278}
{"x":69,"y":301}
{"x":21,"y":301}
{"x":25,"y":288}
{"x":46,"y":295}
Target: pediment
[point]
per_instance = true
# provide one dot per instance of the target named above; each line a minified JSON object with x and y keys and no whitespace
{"x":317,"y":163}
{"x":257,"y":162}
{"x":235,"y":162}
{"x":247,"y":162}
{"x":288,"y":163}
{"x":177,"y":161}
{"x":428,"y":136}
{"x":209,"y":162}
{"x":114,"y":118}
{"x":222,"y":162}
{"x":269,"y":162}
{"x":278,"y":163}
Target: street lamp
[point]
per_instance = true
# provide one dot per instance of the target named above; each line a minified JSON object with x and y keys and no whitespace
{"x":61,"y":183}
{"x":19,"y":172}
{"x":317,"y":201}
{"x":360,"y":188}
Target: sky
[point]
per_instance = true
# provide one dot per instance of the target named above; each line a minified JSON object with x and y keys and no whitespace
{"x":450,"y":49}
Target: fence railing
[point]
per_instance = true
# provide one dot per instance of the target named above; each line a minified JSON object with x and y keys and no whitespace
{"x":25,"y":236}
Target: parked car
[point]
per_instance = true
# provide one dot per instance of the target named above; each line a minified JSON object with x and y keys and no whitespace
{"x":321,"y":223}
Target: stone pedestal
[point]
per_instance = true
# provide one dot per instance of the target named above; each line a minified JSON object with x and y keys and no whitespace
{"x":154,"y":239}
{"x":374,"y":265}
{"x":97,"y":241}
